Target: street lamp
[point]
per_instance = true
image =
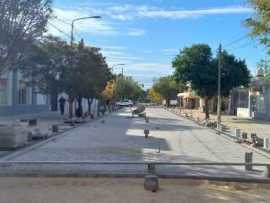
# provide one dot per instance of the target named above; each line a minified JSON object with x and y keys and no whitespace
{"x":78,"y":19}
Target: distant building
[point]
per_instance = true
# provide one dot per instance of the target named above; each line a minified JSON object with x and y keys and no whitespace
{"x":252,"y":102}
{"x":259,"y":100}
{"x":238,"y":101}
{"x":16,"y":97}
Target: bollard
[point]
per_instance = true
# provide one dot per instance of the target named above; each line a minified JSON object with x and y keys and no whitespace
{"x":146,"y":133}
{"x":237,"y":133}
{"x":266,"y":143}
{"x":55,"y":128}
{"x":248,"y":160}
{"x":32,"y":122}
{"x":253,"y":137}
{"x":244,"y":136}
{"x":151,"y":183}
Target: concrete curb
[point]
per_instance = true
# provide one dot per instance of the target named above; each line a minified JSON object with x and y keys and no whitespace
{"x":135,"y":175}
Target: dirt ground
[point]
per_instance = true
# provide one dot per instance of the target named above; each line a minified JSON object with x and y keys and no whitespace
{"x":113,"y":190}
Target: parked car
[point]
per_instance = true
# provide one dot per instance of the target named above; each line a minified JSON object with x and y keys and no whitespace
{"x":125,"y":103}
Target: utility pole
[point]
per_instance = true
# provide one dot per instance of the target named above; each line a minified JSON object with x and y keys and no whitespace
{"x":72,"y":33}
{"x":219,"y":86}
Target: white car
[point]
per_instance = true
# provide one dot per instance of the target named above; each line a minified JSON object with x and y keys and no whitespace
{"x":125,"y":103}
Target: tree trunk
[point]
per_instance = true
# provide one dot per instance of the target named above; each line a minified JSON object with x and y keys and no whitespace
{"x":70,"y":102}
{"x":90,"y":101}
{"x":54,"y":100}
{"x":206,"y":108}
{"x":168,"y":102}
{"x":79,"y":110}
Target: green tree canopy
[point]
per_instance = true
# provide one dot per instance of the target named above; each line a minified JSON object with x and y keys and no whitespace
{"x":167,"y":88}
{"x":260,"y":22}
{"x":127,"y":88}
{"x":234,"y":73}
{"x":21,"y":23}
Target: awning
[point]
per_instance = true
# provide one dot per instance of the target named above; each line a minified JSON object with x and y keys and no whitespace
{"x":187,"y":95}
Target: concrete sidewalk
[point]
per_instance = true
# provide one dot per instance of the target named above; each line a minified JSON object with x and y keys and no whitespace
{"x":45,"y":121}
{"x":262,"y":128}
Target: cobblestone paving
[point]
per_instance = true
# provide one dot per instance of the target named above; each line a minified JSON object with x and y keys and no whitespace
{"x":121,"y":138}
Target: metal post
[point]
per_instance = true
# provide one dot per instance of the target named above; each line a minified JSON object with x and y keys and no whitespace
{"x":219,"y":86}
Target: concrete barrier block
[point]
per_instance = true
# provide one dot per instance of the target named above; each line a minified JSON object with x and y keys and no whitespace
{"x":266,"y":144}
{"x":237,"y":133}
{"x":12,"y":136}
{"x":55,"y":128}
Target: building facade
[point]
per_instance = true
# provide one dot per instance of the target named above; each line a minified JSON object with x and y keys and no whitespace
{"x":17,"y":97}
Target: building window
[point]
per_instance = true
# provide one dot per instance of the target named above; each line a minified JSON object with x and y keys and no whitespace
{"x":3,"y":91}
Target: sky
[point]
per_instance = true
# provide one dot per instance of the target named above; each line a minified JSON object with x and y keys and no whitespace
{"x":146,"y":35}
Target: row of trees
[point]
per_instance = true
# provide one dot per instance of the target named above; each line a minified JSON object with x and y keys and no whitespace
{"x":197,"y":67}
{"x":122,"y":87}
{"x":54,"y":66}
{"x":164,"y":88}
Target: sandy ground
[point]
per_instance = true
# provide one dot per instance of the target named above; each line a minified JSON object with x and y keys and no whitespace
{"x":82,"y":190}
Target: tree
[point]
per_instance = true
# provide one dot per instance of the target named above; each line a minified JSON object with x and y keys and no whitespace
{"x":46,"y":65}
{"x":109,"y":93}
{"x":154,"y":96}
{"x":88,"y":75}
{"x":260,"y":22}
{"x":234,"y":73}
{"x":167,"y":88}
{"x":196,"y":65}
{"x":49,"y":66}
{"x":264,"y":64}
{"x":127,"y":88}
{"x":21,"y":24}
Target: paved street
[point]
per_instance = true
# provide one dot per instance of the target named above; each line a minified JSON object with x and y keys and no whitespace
{"x":121,"y":138}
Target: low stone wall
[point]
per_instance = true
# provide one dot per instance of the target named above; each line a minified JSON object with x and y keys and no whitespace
{"x":22,"y":109}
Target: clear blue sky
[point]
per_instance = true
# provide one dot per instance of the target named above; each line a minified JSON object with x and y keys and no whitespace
{"x":146,"y":35}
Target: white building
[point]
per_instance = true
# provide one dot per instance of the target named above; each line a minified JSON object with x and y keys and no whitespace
{"x":16,"y":97}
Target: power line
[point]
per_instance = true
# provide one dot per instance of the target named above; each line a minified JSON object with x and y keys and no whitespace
{"x":59,"y":30}
{"x":62,"y":21}
{"x":241,"y":47}
{"x":236,"y":41}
